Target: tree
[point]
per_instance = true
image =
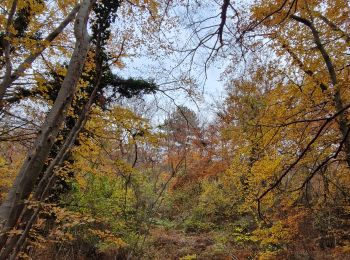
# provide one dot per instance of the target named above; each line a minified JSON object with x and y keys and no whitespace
{"x":181,"y":125}
{"x":269,"y":171}
{"x":25,"y":30}
{"x":82,"y":63}
{"x":24,"y":183}
{"x":294,"y":28}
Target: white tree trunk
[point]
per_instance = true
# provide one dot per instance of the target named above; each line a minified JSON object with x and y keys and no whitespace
{"x":10,"y":76}
{"x":34,"y":163}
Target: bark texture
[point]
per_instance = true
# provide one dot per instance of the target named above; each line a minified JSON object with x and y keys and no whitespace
{"x":10,"y":76}
{"x":338,"y":101}
{"x":24,"y":183}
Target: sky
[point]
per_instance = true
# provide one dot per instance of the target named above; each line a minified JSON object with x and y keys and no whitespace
{"x":164,"y":68}
{"x":203,"y":104}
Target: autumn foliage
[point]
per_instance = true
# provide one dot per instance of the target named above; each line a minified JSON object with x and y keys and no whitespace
{"x":96,"y":165}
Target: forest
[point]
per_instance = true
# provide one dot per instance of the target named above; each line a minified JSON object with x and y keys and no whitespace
{"x":175,"y":129}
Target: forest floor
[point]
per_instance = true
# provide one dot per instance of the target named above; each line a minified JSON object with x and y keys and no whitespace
{"x":176,"y":244}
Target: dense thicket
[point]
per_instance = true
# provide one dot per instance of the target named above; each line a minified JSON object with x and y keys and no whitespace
{"x":88,"y":172}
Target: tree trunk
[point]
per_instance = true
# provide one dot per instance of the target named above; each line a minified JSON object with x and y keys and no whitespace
{"x":24,"y":183}
{"x":11,"y":77}
{"x":338,"y":102}
{"x":29,"y":216}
